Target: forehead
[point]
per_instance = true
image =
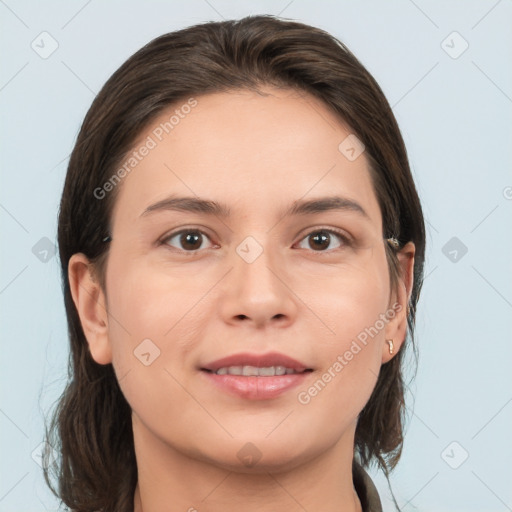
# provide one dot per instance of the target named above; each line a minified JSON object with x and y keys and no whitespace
{"x":253,"y":152}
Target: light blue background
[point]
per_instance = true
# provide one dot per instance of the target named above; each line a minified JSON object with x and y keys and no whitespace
{"x":456,"y":118}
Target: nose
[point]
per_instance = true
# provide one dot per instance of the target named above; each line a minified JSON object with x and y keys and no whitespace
{"x":258,"y":293}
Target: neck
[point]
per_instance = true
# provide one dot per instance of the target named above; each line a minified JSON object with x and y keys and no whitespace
{"x":171,"y":480}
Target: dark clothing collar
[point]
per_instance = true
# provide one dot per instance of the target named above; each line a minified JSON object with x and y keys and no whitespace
{"x":366,"y":490}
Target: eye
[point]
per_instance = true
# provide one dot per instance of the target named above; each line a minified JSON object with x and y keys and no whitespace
{"x":190,"y":239}
{"x":322,"y":238}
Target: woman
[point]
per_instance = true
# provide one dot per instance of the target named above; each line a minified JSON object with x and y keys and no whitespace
{"x":242,"y":250}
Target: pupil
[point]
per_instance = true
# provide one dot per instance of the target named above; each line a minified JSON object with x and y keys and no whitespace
{"x":191,"y":239}
{"x":321,"y":236}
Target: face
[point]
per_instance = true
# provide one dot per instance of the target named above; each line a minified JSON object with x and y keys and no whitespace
{"x":303,"y":292}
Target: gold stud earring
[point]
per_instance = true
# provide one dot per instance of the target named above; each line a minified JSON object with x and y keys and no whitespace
{"x":393,"y":242}
{"x":390,"y":342}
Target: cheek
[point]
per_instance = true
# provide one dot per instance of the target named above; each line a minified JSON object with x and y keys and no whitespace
{"x":353,"y":306}
{"x":148,"y":302}
{"x":158,"y":321}
{"x":350,"y":299}
{"x":145,"y":311}
{"x":151,"y":333}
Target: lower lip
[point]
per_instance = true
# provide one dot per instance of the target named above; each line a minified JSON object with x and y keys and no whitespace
{"x":256,"y":388}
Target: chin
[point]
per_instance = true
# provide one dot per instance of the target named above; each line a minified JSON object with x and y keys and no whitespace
{"x":261,"y":455}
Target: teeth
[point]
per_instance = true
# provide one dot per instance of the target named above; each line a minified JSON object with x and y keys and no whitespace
{"x":235,"y":370}
{"x":254,"y":371}
{"x":249,"y":370}
{"x":280,"y":370}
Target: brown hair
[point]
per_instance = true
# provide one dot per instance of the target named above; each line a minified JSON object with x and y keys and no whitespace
{"x":91,"y":426}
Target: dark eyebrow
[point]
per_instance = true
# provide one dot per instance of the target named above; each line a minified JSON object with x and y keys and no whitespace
{"x":189,"y":204}
{"x":302,"y":207}
{"x":324,"y":204}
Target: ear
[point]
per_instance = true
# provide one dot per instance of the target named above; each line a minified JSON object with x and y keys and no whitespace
{"x":90,"y":303}
{"x":396,"y":329}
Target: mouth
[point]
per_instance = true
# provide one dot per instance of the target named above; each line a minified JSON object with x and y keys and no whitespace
{"x":255,"y":371}
{"x":256,"y":377}
{"x":257,"y":365}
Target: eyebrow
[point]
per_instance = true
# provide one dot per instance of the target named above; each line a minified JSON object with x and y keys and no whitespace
{"x":300,"y":207}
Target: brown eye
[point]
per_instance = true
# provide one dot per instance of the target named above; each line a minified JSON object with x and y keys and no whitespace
{"x":322,"y":239}
{"x":188,"y":240}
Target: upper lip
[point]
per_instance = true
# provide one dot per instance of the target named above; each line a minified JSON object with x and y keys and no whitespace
{"x":258,"y":360}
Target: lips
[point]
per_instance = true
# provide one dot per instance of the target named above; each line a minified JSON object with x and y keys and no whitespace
{"x":260,"y":361}
{"x":255,"y":371}
{"x":256,"y":377}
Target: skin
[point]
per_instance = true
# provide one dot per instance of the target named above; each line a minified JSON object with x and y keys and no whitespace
{"x":257,"y":153}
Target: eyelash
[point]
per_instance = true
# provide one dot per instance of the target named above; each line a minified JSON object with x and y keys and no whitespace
{"x":346,"y":240}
